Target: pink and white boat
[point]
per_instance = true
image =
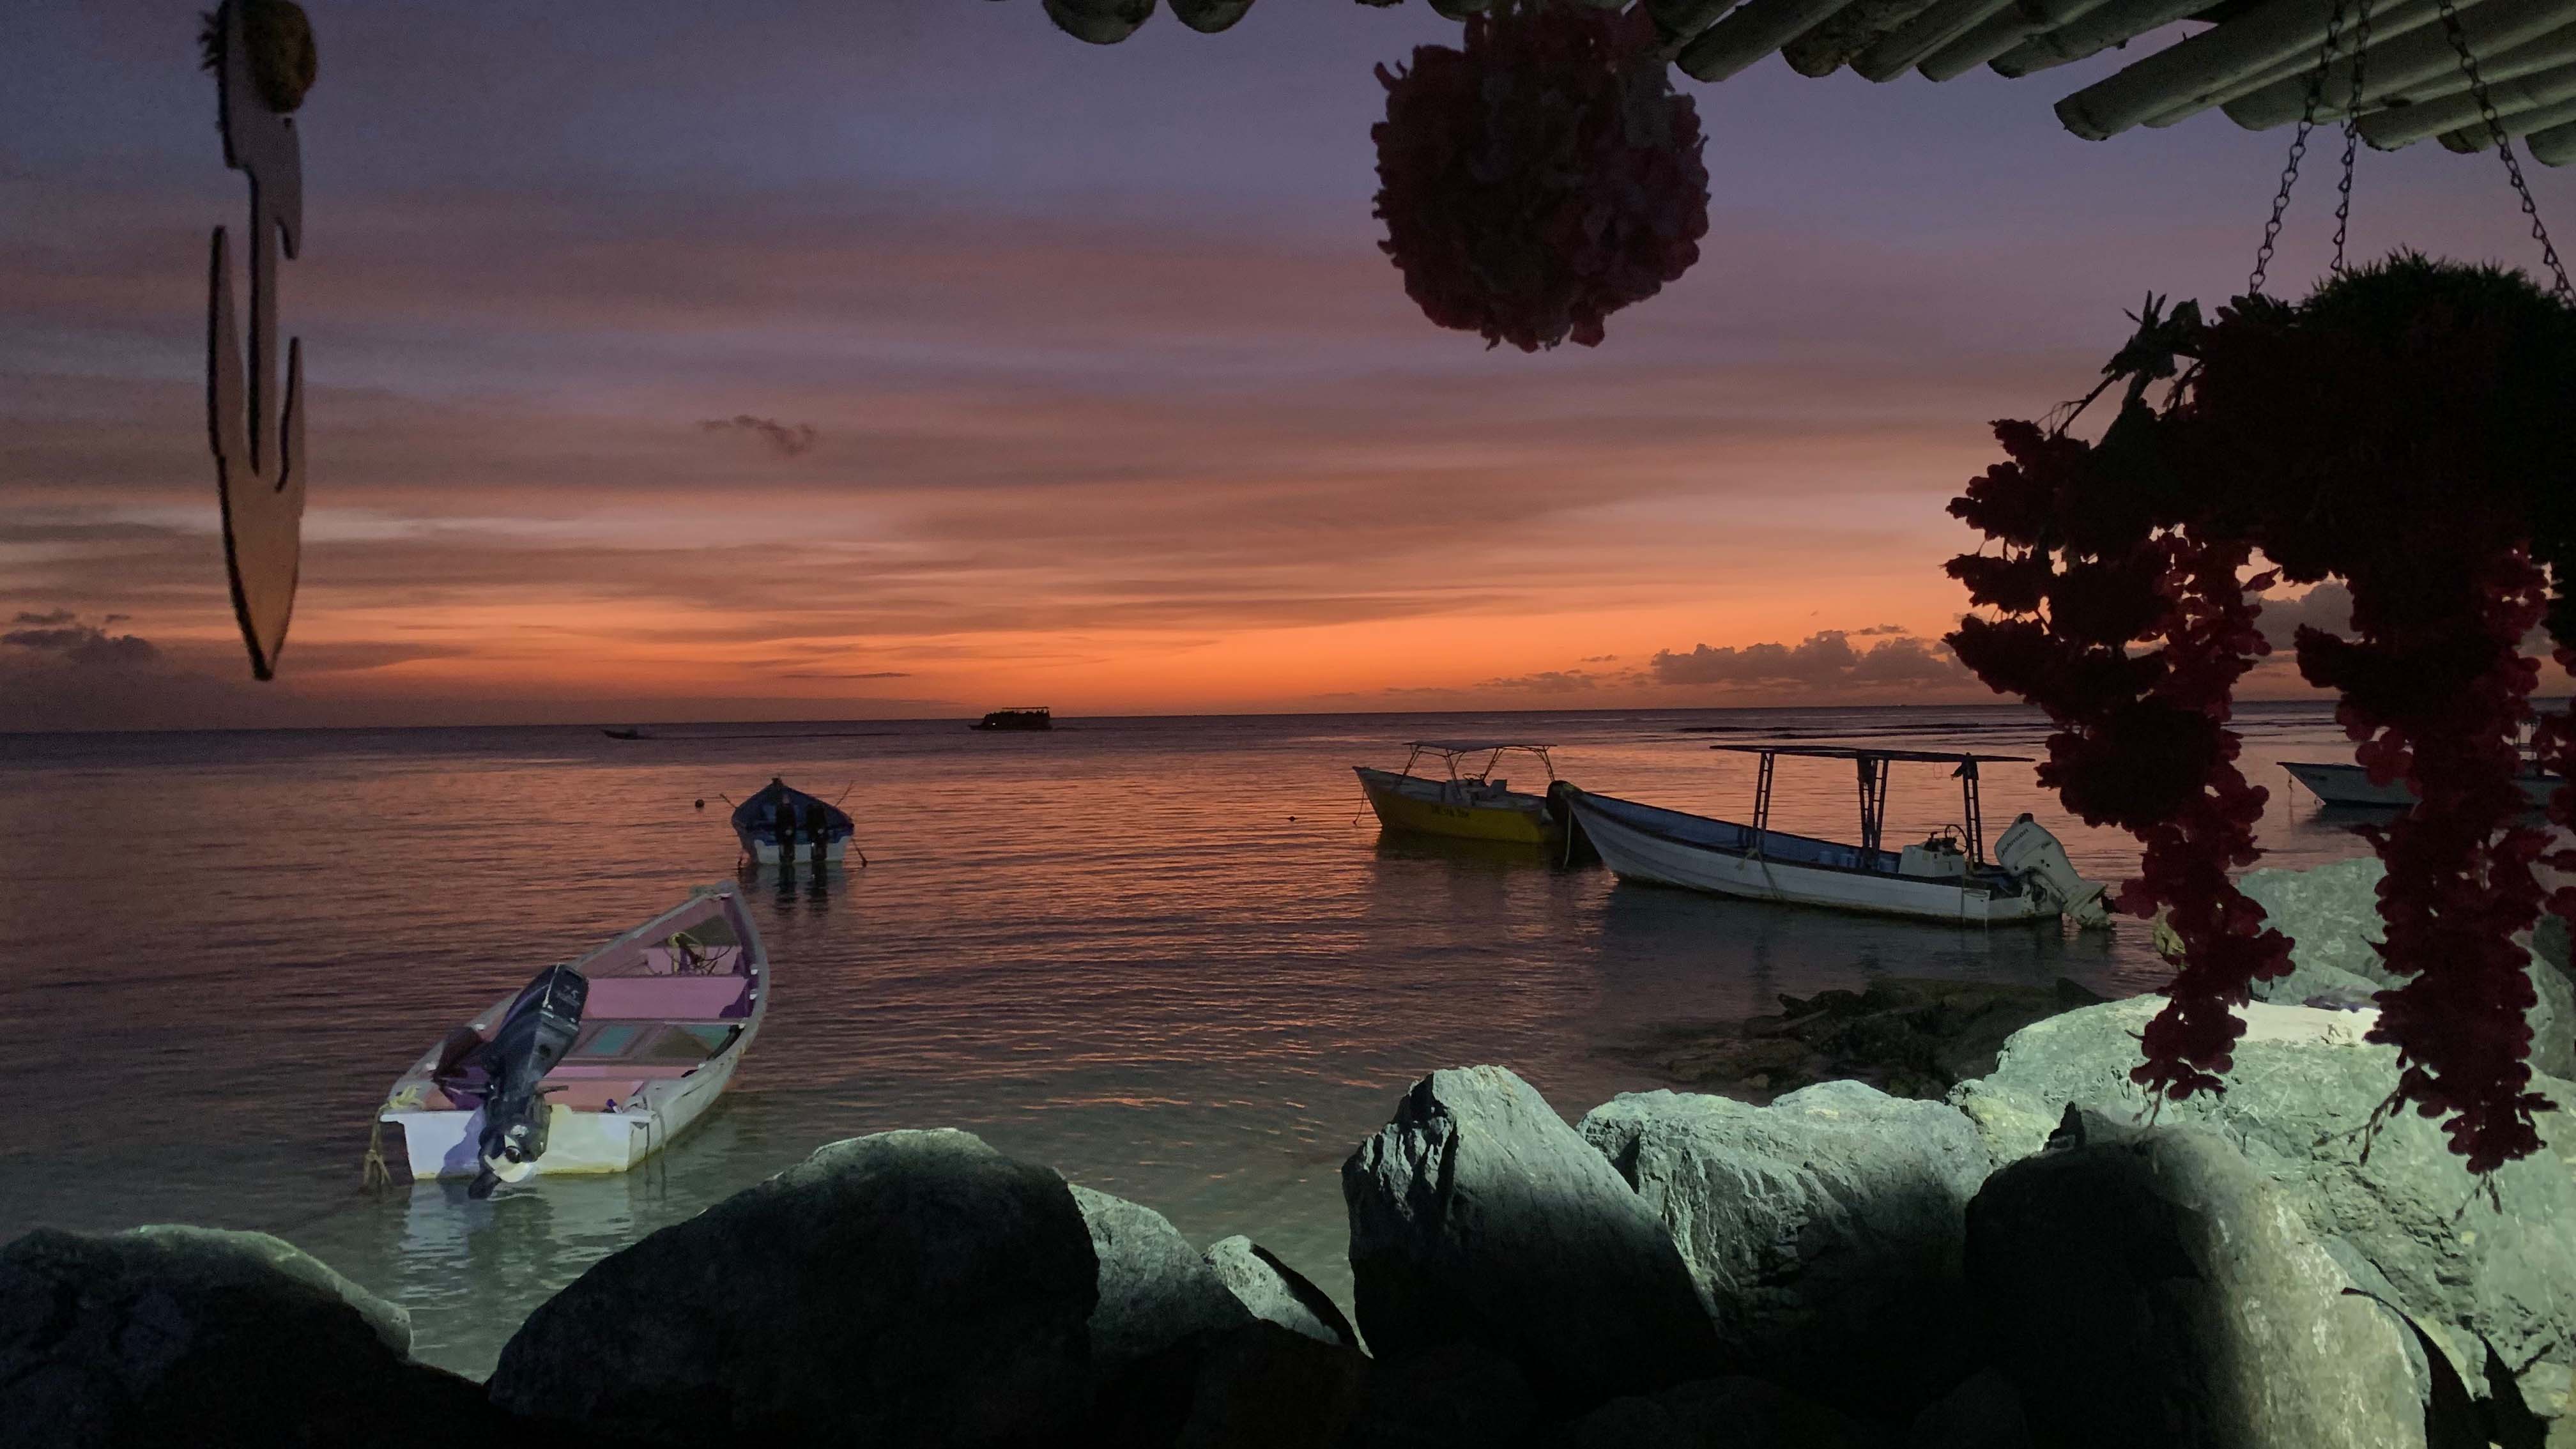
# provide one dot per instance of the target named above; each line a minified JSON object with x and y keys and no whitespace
{"x":596,"y":1065}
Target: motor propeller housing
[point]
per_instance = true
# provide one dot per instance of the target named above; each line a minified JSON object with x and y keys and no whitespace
{"x":533,"y":1036}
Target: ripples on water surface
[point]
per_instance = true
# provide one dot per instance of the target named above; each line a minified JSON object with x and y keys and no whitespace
{"x":1171,"y":957}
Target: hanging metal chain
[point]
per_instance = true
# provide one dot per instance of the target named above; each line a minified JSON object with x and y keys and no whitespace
{"x":2504,"y":147}
{"x":2351,"y":133}
{"x":2298,"y":149}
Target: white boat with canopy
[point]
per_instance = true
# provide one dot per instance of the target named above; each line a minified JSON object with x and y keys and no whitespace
{"x":1947,"y":877}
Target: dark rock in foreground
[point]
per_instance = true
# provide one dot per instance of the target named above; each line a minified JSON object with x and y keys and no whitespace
{"x":1155,"y":1289}
{"x":912,"y":1288}
{"x":2149,"y":1288}
{"x":1479,"y":1217}
{"x":2402,"y":1222}
{"x":1726,"y":1413}
{"x":1825,"y":1231}
{"x":1455,"y":1395}
{"x":1278,"y":1293}
{"x":193,"y":1336}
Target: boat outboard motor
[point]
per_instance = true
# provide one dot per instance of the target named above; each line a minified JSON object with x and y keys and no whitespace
{"x":533,"y":1037}
{"x":2037,"y":859}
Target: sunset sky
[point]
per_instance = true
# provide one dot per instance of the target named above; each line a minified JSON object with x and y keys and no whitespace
{"x":909,"y":357}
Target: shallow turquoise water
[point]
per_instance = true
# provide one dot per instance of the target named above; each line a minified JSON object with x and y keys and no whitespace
{"x":1171,"y":957}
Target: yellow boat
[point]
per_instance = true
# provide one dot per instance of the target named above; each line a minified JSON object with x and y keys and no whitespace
{"x":1469,"y":803}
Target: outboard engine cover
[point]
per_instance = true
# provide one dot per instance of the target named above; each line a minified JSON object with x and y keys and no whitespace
{"x":535,"y":1034}
{"x":2037,"y":859}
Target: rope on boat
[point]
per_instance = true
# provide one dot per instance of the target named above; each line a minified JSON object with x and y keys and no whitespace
{"x":373,"y":1173}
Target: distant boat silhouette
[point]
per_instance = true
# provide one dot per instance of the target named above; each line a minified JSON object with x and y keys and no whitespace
{"x":629,"y":732}
{"x":1024,"y":718}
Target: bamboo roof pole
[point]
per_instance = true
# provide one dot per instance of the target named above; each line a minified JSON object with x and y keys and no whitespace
{"x":1679,"y":20}
{"x":2202,"y":68}
{"x":1757,"y":28}
{"x":2001,"y":32}
{"x":1101,"y":22}
{"x":1209,"y":16}
{"x":2400,"y":23}
{"x":2414,"y":66}
{"x":2406,"y":125}
{"x":2474,"y":137}
{"x":2115,"y":23}
{"x":1843,"y":35}
{"x":1888,"y":57}
{"x":2553,"y":147}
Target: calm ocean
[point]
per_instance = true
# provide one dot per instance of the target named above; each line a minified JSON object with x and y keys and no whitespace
{"x":1171,"y":957}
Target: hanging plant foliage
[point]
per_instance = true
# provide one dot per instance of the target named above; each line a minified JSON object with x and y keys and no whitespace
{"x":1541,"y":177}
{"x":279,"y":37}
{"x":2404,"y":430}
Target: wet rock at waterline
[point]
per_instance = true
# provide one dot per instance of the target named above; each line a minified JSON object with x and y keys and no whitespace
{"x":1825,"y":1231}
{"x":2151,"y":1288}
{"x":2303,"y":1086}
{"x":1273,"y":1291}
{"x":1479,"y":1217}
{"x":910,"y":1288}
{"x":1907,"y":1036}
{"x":182,"y":1335}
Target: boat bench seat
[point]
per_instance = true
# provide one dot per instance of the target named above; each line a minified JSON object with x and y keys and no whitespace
{"x":663,"y":961}
{"x":668,"y":998}
{"x":570,"y":1070}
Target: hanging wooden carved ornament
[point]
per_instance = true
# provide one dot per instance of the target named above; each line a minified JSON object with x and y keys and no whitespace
{"x":261,"y":52}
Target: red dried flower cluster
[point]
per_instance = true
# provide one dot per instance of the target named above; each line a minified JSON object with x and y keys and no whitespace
{"x":2404,"y":430}
{"x":1541,"y":178}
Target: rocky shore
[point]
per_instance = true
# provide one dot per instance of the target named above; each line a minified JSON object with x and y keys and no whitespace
{"x":2019,"y":1261}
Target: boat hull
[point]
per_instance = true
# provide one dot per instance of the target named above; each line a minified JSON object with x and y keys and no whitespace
{"x":1404,"y":803}
{"x":444,"y":1144}
{"x":1634,"y":848}
{"x":766,"y":851}
{"x":2339,"y":784}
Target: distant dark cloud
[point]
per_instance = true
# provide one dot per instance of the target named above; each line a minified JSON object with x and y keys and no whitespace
{"x":1552,"y":681}
{"x":1600,"y":659}
{"x":1877,"y":629}
{"x":60,"y":635}
{"x":2328,"y":606}
{"x":826,"y":674}
{"x":781,"y":438}
{"x":1825,"y":658}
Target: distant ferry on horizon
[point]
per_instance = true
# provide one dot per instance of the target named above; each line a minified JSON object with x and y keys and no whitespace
{"x":1027,"y":717}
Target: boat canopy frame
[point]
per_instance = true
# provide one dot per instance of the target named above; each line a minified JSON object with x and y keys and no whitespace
{"x":1451,"y":752}
{"x":1871,"y":779}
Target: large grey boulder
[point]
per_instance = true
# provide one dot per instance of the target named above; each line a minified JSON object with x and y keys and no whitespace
{"x":180,"y":1335}
{"x":910,"y":1288}
{"x":1155,"y":1289}
{"x":1824,"y":1231}
{"x":1479,"y":1217}
{"x":2331,"y":915}
{"x":2408,"y":1223}
{"x":2149,"y":1289}
{"x":1277,"y":1293}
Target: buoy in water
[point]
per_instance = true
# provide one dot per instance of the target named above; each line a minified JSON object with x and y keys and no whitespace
{"x":702,"y":804}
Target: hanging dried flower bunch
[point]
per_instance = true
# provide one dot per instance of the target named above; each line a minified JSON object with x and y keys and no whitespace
{"x":1542,"y":177}
{"x":283,"y":61}
{"x":2403,"y":429}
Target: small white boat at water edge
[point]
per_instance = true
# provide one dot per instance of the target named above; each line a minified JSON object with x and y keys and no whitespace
{"x":594,"y":1065}
{"x":1946,"y":878}
{"x":2349,"y":784}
